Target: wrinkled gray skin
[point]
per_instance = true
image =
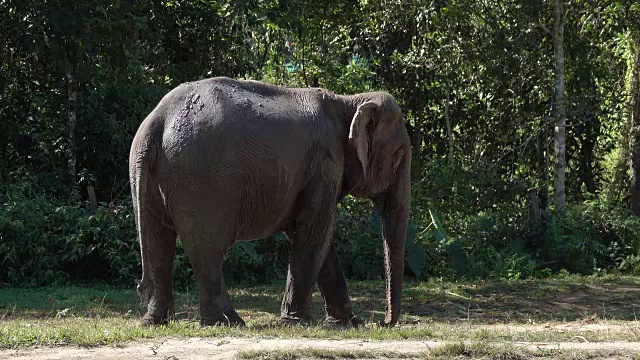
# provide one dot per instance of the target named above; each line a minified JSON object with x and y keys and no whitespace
{"x":220,"y":161}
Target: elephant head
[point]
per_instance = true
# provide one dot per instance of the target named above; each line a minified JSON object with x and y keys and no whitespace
{"x":378,"y":164}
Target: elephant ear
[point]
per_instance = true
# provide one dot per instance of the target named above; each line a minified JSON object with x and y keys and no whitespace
{"x":357,"y":147}
{"x":358,"y":134}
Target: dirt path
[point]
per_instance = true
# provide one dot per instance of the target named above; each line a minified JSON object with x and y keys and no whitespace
{"x":227,"y":348}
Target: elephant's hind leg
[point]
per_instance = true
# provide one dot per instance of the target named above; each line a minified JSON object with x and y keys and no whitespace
{"x":158,"y":248}
{"x":311,"y":240}
{"x":333,"y":289}
{"x":215,"y":304}
{"x":205,"y":246}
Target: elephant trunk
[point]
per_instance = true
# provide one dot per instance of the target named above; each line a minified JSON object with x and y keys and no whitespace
{"x":394,"y":207}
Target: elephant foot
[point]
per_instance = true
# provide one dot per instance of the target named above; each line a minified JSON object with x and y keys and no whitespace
{"x":150,"y":319}
{"x":227,"y":318}
{"x":351,"y":321}
{"x":384,"y":324}
{"x":299,"y":318}
{"x":145,"y":291}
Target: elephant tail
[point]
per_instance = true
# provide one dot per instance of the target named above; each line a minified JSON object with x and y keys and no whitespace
{"x":141,"y":160}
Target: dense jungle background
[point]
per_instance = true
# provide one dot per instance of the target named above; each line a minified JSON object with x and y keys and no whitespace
{"x":484,"y":94}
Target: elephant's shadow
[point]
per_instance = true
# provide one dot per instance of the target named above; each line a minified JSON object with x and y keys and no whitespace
{"x":262,"y":303}
{"x":481,"y":302}
{"x":423,"y":301}
{"x":525,"y":301}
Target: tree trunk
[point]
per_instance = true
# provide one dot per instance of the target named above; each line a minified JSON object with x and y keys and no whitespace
{"x":72,"y":91}
{"x":448,"y":120}
{"x":540,"y":195}
{"x":560,"y":112}
{"x":634,"y":121}
{"x":416,"y":145}
{"x":93,"y":201}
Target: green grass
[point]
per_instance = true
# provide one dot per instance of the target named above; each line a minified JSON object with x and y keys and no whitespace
{"x":531,"y":310}
{"x":311,"y":353}
{"x":455,"y":350}
{"x":459,"y":350}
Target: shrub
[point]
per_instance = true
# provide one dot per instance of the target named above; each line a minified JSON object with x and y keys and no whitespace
{"x":44,"y":243}
{"x":591,"y":238}
{"x":358,"y":241}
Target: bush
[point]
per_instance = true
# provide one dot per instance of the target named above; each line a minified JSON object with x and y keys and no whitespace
{"x":358,"y":241}
{"x":490,"y":244}
{"x":506,"y":244}
{"x":592,"y":238}
{"x":44,"y":243}
{"x":28,"y":248}
{"x":257,"y":262}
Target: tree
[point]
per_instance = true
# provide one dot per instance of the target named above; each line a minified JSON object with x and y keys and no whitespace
{"x":634,"y":122}
{"x":559,"y":106}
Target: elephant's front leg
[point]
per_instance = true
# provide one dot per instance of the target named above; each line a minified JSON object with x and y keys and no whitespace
{"x":333,"y":289}
{"x":311,"y":238}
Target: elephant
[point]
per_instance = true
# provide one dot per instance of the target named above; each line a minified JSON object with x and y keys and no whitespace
{"x":221,"y":160}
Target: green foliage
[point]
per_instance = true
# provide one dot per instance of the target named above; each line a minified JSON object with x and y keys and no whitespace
{"x":594,"y":238}
{"x":358,"y":240}
{"x":474,"y":80}
{"x":43,"y":242}
{"x":506,"y":244}
{"x":257,"y":262}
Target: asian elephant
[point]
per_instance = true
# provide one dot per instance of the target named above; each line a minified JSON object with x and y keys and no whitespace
{"x":221,"y":160}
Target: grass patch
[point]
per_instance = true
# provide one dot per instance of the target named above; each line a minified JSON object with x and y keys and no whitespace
{"x":460,"y":350}
{"x":479,"y":351}
{"x":570,"y":308}
{"x":311,"y":353}
{"x":114,"y":331}
{"x":455,"y":350}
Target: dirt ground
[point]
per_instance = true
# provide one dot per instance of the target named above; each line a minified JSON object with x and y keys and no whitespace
{"x":228,"y":348}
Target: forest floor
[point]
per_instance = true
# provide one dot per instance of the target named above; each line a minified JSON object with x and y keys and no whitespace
{"x":565,"y":318}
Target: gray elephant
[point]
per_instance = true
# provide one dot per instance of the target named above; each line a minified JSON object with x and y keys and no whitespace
{"x":220,"y":161}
